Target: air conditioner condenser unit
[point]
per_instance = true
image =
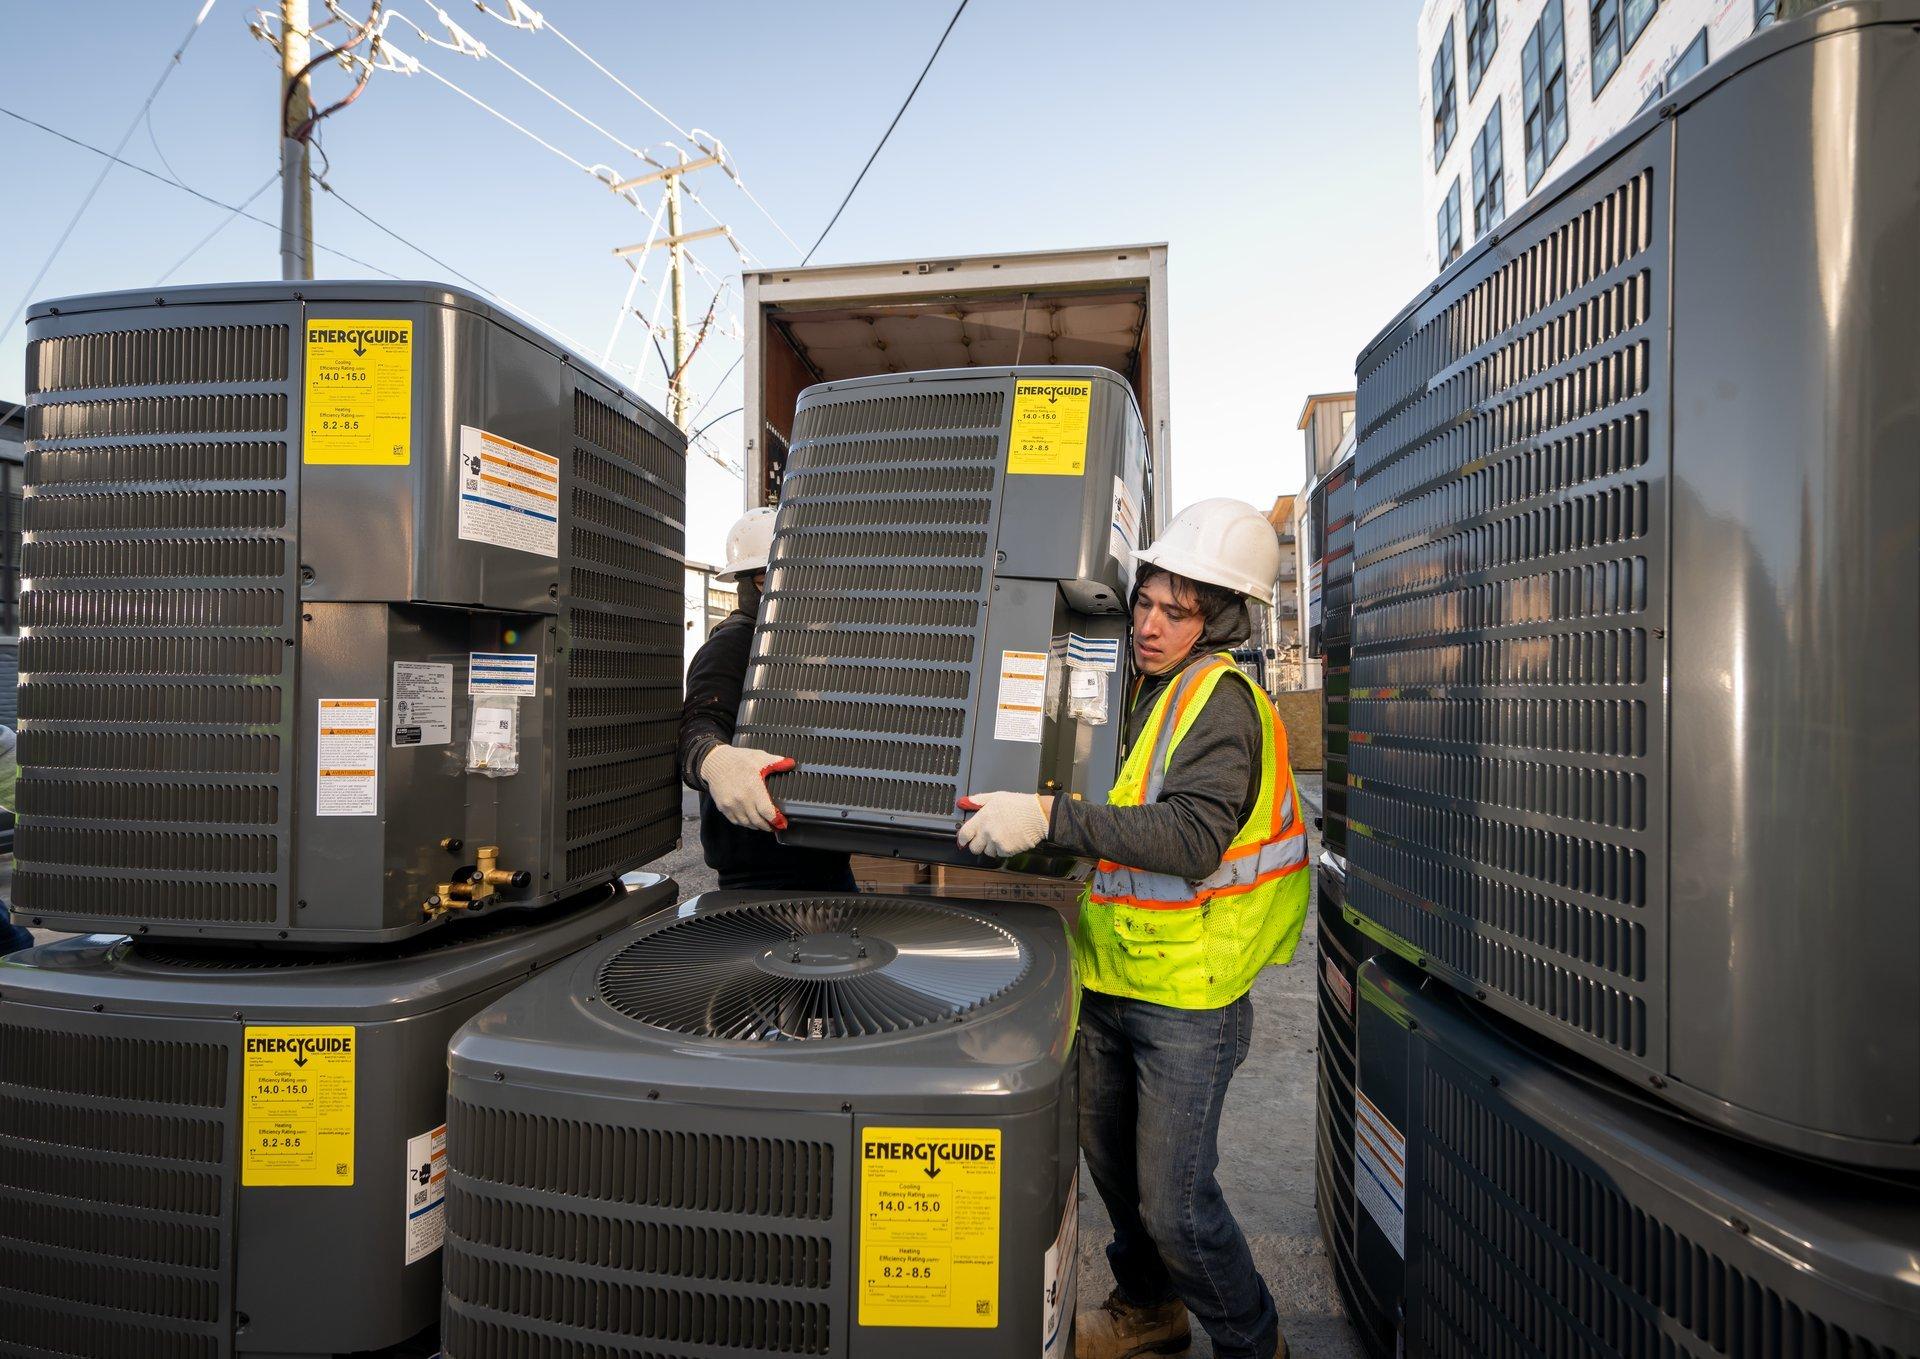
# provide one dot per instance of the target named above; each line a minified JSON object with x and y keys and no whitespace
{"x":217,"y":1152}
{"x":761,"y":1125}
{"x":945,"y":600}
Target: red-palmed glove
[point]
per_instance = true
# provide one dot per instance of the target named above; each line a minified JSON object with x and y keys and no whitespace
{"x":736,"y":776}
{"x":1002,"y":824}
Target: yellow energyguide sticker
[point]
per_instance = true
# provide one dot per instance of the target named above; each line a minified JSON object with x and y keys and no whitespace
{"x":930,"y":1227}
{"x":298,"y":1096}
{"x":1049,"y":436}
{"x":359,"y":393}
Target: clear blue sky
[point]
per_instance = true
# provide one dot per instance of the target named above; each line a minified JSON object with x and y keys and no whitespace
{"x":1274,"y":145}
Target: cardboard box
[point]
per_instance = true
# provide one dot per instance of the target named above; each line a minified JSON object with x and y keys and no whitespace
{"x":874,"y":874}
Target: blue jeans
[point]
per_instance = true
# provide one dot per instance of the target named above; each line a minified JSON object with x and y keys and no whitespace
{"x":13,"y":937}
{"x":1152,"y":1082}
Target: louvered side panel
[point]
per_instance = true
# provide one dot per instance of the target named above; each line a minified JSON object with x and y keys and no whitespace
{"x":158,"y":609}
{"x":115,"y":1189}
{"x":866,"y":658}
{"x":575,"y":1228}
{"x":623,"y":616}
{"x":1506,"y":770}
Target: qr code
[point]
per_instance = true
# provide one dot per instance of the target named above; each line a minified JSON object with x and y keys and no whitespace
{"x":982,"y":1306}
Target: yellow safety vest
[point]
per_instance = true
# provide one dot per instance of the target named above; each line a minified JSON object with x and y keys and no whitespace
{"x":1198,"y":945}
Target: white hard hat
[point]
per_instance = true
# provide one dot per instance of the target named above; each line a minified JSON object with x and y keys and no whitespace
{"x":1222,"y":542}
{"x":748,"y":542}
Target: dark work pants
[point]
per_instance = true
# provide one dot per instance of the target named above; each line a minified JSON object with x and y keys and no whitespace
{"x":1152,"y":1083}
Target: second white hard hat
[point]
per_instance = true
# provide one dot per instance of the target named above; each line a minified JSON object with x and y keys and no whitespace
{"x":748,"y":543}
{"x":1222,"y":542}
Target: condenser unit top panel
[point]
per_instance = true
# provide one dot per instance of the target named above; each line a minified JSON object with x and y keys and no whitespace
{"x":422,"y":975}
{"x":328,"y":292}
{"x":946,"y":991}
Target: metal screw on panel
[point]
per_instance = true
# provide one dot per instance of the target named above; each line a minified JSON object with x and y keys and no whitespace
{"x":1739,"y":1226}
{"x":306,"y":575}
{"x":1657,"y":1082}
{"x":499,"y":1075}
{"x":97,"y":1007}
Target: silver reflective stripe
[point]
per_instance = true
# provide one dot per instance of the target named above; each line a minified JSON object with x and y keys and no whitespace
{"x":1140,"y":885}
{"x":1157,"y":766}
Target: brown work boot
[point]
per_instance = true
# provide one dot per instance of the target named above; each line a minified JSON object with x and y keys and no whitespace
{"x":1118,"y":1330}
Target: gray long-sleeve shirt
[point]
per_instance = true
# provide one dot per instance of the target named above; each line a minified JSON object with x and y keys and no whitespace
{"x":1212,"y":784}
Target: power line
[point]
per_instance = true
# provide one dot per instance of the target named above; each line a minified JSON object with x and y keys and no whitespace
{"x":225,"y":222}
{"x":87,"y":202}
{"x":348,"y":204}
{"x":889,"y":132}
{"x":186,"y":188}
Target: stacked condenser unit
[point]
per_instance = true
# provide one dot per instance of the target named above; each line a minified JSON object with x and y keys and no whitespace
{"x":1620,"y":1026}
{"x":350,"y":673}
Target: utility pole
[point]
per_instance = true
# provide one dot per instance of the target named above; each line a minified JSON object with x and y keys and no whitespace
{"x":676,"y":242}
{"x":677,"y":253}
{"x":296,"y":106}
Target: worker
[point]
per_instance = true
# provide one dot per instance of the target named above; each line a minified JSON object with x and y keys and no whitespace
{"x":1201,"y":881}
{"x":737,"y":813}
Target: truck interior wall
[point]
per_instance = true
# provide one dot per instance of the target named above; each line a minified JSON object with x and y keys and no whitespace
{"x":786,"y":375}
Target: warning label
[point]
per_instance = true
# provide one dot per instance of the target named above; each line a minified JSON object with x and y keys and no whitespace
{"x":347,"y":758}
{"x":509,"y":494}
{"x":359,"y":393}
{"x":1380,"y":1170}
{"x":426,"y":1193}
{"x":422,"y":703}
{"x":930,"y":1227}
{"x":1021,"y":709}
{"x":1049,"y":436}
{"x":298,"y":1097}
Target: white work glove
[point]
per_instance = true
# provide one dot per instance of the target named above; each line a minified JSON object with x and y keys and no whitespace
{"x":737,"y":779}
{"x":1002,"y":824}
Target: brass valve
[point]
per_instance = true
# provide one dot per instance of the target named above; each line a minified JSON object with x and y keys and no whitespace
{"x":478,"y":885}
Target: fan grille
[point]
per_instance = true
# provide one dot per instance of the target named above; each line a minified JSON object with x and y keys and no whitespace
{"x":814,"y":968}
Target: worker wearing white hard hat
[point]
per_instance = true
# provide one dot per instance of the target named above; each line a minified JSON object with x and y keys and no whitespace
{"x":737,"y":813}
{"x":1201,"y":881}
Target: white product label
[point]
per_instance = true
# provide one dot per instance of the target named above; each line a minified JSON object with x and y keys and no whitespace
{"x":347,"y":758}
{"x":1380,"y":1170}
{"x":1062,"y":1281}
{"x":1093,"y":653}
{"x":1124,"y":532}
{"x":1086,"y":684}
{"x":509,"y":494}
{"x":426,"y":1193}
{"x":422,"y":703}
{"x":502,"y":672}
{"x":493,"y":723}
{"x":1023,"y":694}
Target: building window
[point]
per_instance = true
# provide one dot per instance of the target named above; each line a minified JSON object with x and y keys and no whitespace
{"x":1765,"y":12}
{"x":1489,"y":176}
{"x":1448,"y":224}
{"x":1638,"y":13}
{"x":1483,"y":36}
{"x":1445,"y":114}
{"x":1604,"y":21}
{"x":1543,"y":91}
{"x":1689,"y":63}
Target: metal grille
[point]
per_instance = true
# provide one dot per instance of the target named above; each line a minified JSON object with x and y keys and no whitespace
{"x":1522,"y":1252}
{"x":623,"y":622}
{"x":1333,"y":1125}
{"x":158,"y":613}
{"x":571,"y":1236}
{"x":1507,"y":674}
{"x":865,"y":657}
{"x":114,"y":1194}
